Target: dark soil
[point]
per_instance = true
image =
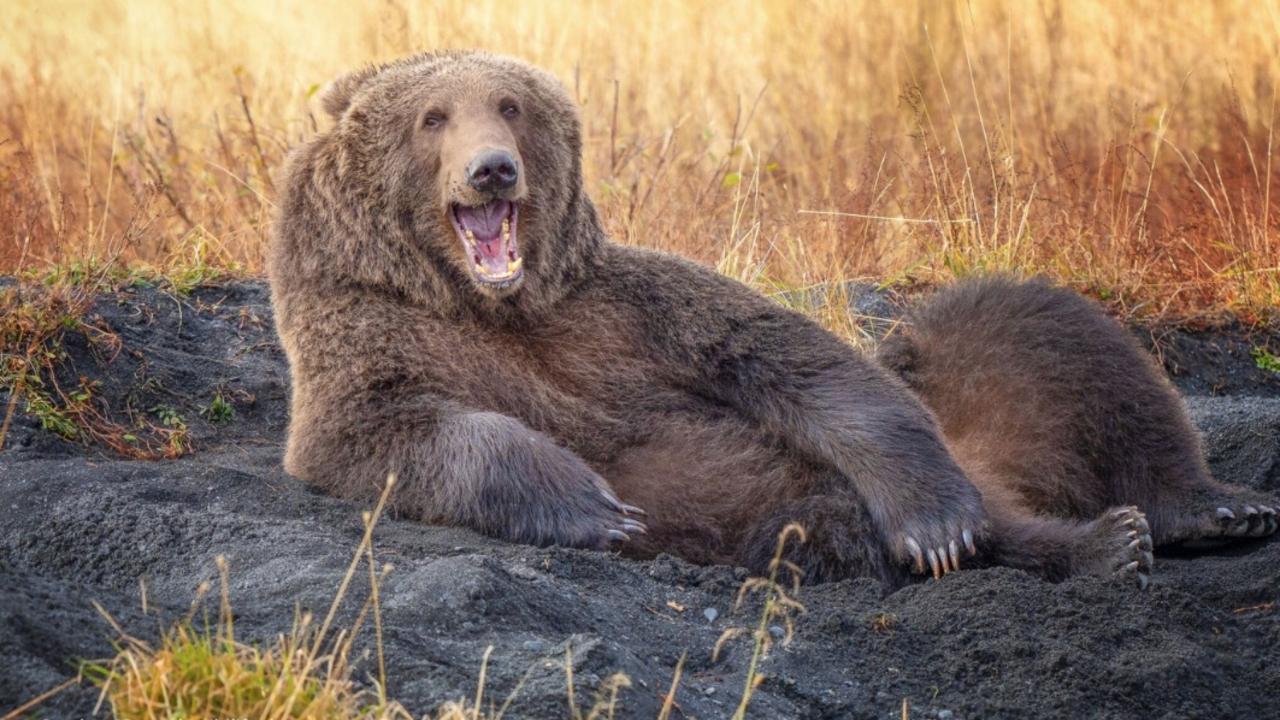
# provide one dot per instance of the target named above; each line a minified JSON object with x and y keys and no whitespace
{"x":81,"y":524}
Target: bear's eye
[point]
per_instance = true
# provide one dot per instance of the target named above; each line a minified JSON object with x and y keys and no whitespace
{"x":509,"y":108}
{"x":433,"y":120}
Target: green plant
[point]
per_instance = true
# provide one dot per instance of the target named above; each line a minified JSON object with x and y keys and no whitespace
{"x":175,"y":429}
{"x":219,"y":410}
{"x":1266,"y":360}
{"x":169,"y":417}
{"x":185,"y":271}
{"x":43,"y":408}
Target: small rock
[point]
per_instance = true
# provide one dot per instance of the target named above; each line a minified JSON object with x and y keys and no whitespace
{"x":711,"y":614}
{"x":709,"y":691}
{"x":777,"y":632}
{"x":946,"y":715}
{"x":537,"y":646}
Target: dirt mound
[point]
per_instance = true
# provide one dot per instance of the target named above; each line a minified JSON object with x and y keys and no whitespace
{"x":83,"y":524}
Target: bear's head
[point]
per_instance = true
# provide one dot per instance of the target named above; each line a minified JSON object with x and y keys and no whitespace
{"x":452,"y":176}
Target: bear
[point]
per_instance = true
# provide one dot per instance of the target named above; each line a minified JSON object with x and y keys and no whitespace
{"x":453,"y":312}
{"x":1056,"y":413}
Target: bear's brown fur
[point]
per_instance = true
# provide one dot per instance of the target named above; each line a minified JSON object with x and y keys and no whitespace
{"x":1056,"y":413}
{"x":543,"y":385}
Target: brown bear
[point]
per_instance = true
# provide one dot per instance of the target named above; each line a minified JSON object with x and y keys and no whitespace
{"x":1056,"y":412}
{"x":453,"y":313}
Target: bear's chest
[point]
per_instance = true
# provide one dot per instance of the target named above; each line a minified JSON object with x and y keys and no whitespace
{"x":587,"y":380}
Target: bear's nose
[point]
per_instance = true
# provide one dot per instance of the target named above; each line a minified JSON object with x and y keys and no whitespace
{"x":492,"y":171}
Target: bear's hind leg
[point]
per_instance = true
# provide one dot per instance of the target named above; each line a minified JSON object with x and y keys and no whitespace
{"x":1116,"y":544}
{"x":1209,"y":513}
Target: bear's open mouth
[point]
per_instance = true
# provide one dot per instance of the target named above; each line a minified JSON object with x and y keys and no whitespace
{"x":488,"y":234}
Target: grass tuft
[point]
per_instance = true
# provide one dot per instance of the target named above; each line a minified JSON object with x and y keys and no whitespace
{"x":219,"y":409}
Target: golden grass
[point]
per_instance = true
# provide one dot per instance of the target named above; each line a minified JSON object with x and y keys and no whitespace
{"x":1126,"y":148}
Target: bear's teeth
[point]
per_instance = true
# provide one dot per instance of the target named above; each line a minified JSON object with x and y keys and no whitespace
{"x":480,"y":270}
{"x":471,"y":237}
{"x":514,"y":267}
{"x":506,"y":228}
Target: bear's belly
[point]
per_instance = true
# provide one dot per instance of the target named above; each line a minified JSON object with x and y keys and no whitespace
{"x":704,"y":482}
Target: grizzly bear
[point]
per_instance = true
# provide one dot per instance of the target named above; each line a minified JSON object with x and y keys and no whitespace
{"x":1056,"y":412}
{"x":452,"y":312}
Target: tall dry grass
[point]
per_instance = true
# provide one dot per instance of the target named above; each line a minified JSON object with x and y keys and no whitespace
{"x":1125,"y":147}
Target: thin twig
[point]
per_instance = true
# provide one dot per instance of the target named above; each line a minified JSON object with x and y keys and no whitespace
{"x":838,"y":213}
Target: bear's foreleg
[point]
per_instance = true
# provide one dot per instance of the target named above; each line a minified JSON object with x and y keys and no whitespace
{"x":839,"y":409}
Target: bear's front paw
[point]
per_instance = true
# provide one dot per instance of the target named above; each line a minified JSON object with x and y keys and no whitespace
{"x":595,"y":525}
{"x":937,"y":538}
{"x":529,"y":489}
{"x":941,"y":547}
{"x":584,"y":512}
{"x":619,"y":521}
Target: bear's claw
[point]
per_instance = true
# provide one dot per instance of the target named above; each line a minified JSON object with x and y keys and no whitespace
{"x":1134,"y":559}
{"x":1219,"y":516}
{"x":1247,"y":521}
{"x":942,"y":559}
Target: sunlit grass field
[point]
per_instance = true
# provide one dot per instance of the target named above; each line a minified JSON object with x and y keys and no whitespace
{"x":1126,"y":148}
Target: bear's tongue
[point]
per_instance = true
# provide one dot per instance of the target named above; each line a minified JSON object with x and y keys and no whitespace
{"x":490,"y":230}
{"x":484,"y":220}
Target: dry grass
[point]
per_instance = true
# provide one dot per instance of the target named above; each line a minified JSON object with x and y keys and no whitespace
{"x":780,"y":590}
{"x":1125,"y":148}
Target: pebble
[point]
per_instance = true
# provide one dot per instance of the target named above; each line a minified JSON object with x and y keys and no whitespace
{"x":946,"y":715}
{"x":777,"y":632}
{"x":536,"y":646}
{"x":711,"y":614}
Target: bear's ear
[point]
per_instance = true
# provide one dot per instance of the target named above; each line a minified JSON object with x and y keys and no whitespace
{"x":898,"y":354}
{"x":337,"y":97}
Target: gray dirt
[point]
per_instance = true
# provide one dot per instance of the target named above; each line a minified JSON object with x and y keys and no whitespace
{"x":81,"y":524}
